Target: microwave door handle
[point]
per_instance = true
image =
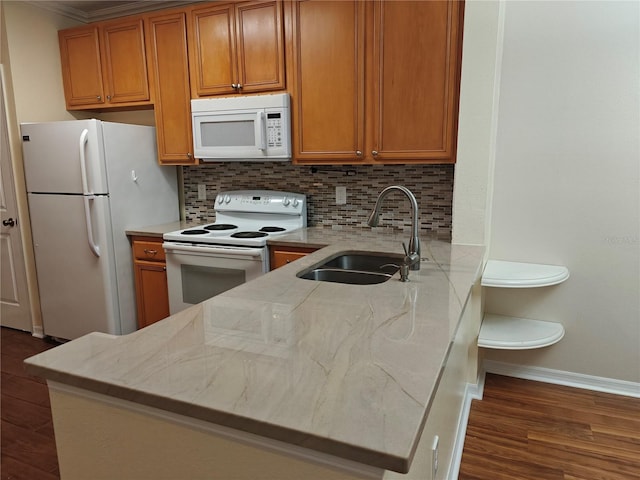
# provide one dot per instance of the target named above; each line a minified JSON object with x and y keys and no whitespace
{"x":261,"y":131}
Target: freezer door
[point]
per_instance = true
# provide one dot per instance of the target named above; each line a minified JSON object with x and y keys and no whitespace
{"x":54,"y":153}
{"x":78,"y":293}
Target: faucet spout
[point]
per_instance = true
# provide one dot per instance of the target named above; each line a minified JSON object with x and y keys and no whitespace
{"x":413,"y":250}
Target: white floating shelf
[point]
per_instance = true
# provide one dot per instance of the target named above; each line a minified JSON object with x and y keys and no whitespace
{"x":513,"y":333}
{"x":498,"y":273}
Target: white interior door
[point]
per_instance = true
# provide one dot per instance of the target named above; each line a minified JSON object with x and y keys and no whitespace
{"x":14,"y":300}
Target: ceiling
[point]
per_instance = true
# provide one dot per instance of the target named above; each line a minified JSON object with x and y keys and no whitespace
{"x":96,"y":10}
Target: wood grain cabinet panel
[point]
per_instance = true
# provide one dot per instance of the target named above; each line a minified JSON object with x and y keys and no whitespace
{"x":150,"y":270}
{"x":104,"y":65}
{"x":212,"y":50}
{"x":236,"y":48}
{"x":415,"y":81}
{"x":260,"y":46}
{"x":326,"y":79}
{"x":124,"y":61}
{"x":374,"y":82}
{"x":280,"y":256}
{"x":169,"y":71}
{"x":81,"y":67}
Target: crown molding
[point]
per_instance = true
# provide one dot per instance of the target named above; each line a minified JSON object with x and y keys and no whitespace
{"x":132,"y":8}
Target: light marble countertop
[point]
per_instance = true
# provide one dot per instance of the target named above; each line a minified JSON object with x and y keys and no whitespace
{"x":347,"y":370}
{"x":158,"y":230}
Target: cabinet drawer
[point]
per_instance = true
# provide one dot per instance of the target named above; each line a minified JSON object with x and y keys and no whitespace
{"x":150,"y":251}
{"x":281,"y":256}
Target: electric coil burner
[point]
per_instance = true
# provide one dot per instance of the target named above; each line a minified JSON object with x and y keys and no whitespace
{"x":206,"y":260}
{"x":220,"y":227}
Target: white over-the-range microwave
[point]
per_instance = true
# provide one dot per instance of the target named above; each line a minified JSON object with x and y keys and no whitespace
{"x":246,"y":128}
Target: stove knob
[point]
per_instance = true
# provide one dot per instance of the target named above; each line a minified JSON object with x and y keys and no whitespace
{"x":286,"y":201}
{"x":296,"y":202}
{"x":220,"y":199}
{"x":227,"y":198}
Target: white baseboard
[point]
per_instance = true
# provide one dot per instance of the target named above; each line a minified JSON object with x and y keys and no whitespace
{"x":471,"y":392}
{"x":569,"y":379}
{"x":38,"y":332}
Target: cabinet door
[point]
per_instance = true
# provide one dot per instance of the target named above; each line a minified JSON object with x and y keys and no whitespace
{"x":212,"y":50}
{"x":415,"y":77}
{"x":326,"y":80}
{"x":125,"y":62}
{"x":260,"y":46}
{"x":81,"y":68}
{"x":152,"y":294}
{"x":167,"y":44}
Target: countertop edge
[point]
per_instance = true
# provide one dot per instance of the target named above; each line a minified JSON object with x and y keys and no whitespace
{"x":271,"y":431}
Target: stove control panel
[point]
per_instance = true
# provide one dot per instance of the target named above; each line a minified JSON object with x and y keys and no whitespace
{"x":261,"y":201}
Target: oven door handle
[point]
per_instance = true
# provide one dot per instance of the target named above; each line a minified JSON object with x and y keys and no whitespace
{"x":207,"y":250}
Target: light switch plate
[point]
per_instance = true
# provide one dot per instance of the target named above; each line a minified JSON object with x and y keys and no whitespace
{"x":202,"y":191}
{"x":341,"y":195}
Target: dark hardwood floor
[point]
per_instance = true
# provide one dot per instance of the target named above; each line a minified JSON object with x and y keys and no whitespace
{"x":521,"y":430}
{"x":525,"y":430}
{"x":28,"y":449}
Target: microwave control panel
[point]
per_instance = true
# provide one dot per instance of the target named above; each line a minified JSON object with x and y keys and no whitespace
{"x":274,"y":130}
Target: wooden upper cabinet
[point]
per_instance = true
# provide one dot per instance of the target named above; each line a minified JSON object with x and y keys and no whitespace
{"x":105,"y":65}
{"x":124,"y":62}
{"x":236,"y":48}
{"x":415,"y":70}
{"x":260,"y":46}
{"x":374,"y":82}
{"x":81,"y":67}
{"x":169,"y":71}
{"x":326,"y":80}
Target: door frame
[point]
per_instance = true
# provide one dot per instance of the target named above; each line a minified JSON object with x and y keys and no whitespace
{"x":16,"y":174}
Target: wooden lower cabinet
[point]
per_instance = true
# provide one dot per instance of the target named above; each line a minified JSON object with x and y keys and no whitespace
{"x":152,"y":295}
{"x":280,"y":256}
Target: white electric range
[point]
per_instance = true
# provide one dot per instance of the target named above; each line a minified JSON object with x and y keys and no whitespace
{"x":209,"y":259}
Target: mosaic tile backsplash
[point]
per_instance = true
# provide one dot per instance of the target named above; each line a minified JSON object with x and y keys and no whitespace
{"x":432,"y":186}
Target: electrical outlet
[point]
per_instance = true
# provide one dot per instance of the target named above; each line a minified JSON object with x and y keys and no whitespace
{"x":434,"y":457}
{"x":341,"y":195}
{"x":202,"y":191}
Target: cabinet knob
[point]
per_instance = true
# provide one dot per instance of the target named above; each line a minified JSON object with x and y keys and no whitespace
{"x":150,"y":252}
{"x":234,"y":85}
{"x":189,"y":155}
{"x":358,"y":153}
{"x":108,"y":97}
{"x":99,"y":97}
{"x":374,"y":153}
{"x":239,"y":86}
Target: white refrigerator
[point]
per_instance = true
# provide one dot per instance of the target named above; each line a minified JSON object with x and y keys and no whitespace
{"x":89,"y":181}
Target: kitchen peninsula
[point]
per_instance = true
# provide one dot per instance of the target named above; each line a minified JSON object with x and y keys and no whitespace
{"x":280,"y":377}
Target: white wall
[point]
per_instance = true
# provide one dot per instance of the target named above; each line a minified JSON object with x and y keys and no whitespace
{"x":479,"y":97}
{"x":567,"y":179}
{"x":34,"y":57}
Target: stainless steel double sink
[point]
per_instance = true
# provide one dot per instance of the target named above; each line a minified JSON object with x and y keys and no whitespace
{"x":355,"y":268}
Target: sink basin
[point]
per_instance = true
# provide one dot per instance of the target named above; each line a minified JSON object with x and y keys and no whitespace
{"x":354,"y":268}
{"x":353,"y":277}
{"x":367,"y":262}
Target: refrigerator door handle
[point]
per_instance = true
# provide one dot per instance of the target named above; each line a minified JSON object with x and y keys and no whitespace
{"x":88,"y":196}
{"x":83,"y":161}
{"x":95,"y":249}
